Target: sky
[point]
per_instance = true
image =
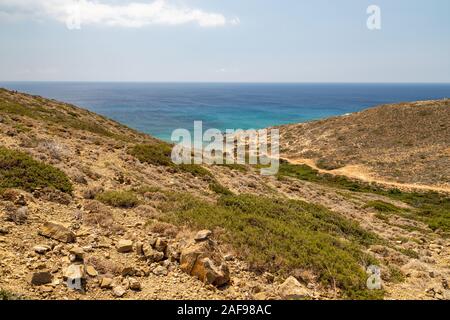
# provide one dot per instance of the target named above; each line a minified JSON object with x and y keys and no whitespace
{"x":224,"y":41}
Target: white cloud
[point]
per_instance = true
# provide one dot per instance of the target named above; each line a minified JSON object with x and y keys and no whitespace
{"x":131,"y":14}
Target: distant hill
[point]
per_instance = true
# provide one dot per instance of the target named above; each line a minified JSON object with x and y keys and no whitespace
{"x":405,"y":143}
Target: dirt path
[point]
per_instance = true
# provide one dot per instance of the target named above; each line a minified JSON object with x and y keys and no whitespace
{"x":362,"y":173}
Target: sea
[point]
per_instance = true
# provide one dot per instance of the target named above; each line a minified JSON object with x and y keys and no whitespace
{"x":160,"y":108}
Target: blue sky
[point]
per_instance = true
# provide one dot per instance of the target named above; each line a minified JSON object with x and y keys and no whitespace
{"x":225,"y":40}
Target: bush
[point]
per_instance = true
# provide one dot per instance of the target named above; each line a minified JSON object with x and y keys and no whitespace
{"x":159,"y":154}
{"x":120,"y":199}
{"x":382,"y":206}
{"x":281,"y":235}
{"x":19,"y":170}
{"x":219,"y":189}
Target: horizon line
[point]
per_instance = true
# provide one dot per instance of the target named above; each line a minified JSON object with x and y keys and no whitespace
{"x":221,"y":82}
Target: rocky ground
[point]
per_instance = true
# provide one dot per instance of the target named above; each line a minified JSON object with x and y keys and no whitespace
{"x":55,"y":245}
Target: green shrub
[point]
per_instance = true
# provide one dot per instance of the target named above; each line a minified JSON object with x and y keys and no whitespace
{"x":235,"y":167}
{"x":382,"y":206}
{"x":144,"y":189}
{"x":64,"y":115}
{"x":159,"y":154}
{"x":281,"y":235}
{"x":8,"y":295}
{"x":120,"y":199}
{"x":219,"y":189}
{"x":19,"y":170}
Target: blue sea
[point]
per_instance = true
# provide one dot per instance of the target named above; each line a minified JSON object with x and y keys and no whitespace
{"x":159,"y":108}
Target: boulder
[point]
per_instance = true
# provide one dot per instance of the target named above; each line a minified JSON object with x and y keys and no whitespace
{"x":124,"y":246}
{"x":292,"y":289}
{"x":41,"y":278}
{"x":57,"y":231}
{"x":203,"y":235}
{"x":201,"y":259}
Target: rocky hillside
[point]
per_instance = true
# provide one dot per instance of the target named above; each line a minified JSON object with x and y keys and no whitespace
{"x":405,"y":143}
{"x":90,"y":209}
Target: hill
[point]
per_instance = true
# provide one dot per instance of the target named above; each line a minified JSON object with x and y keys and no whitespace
{"x":406,"y":143}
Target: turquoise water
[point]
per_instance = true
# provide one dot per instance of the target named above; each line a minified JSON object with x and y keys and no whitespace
{"x":159,"y":108}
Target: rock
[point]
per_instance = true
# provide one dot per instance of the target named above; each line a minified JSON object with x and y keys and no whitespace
{"x":41,"y":249}
{"x":90,"y":270}
{"x":53,"y":195}
{"x":46,"y":288}
{"x":173,"y":252}
{"x":268,"y":277}
{"x":292,"y":289}
{"x":75,"y":276}
{"x":160,"y":271}
{"x":261,"y":296}
{"x":201,"y":260}
{"x":124,"y":246}
{"x":77,"y":252}
{"x":135,"y":285}
{"x":160,"y":245}
{"x":18,"y":216}
{"x":138,"y":248}
{"x":41,"y":278}
{"x":127,"y":271}
{"x":119,"y":291}
{"x":152,"y":255}
{"x":106,"y":283}
{"x":56,"y":231}
{"x":228,"y":257}
{"x":203,"y":235}
{"x":21,"y":201}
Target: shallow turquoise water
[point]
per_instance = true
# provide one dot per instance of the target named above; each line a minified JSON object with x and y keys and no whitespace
{"x":159,"y":108}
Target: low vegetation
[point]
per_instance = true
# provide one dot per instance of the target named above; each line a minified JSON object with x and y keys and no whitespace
{"x":382,"y":206}
{"x":431,"y":208}
{"x":159,"y":154}
{"x":38,"y":108}
{"x":8,"y":295}
{"x":281,"y":235}
{"x":19,"y":170}
{"x":120,"y":199}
